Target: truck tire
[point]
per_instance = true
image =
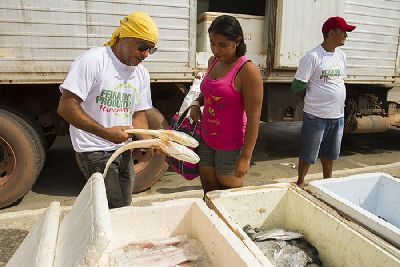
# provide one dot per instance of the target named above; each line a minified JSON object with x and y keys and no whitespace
{"x":50,"y":139}
{"x":149,"y":167}
{"x":22,"y":155}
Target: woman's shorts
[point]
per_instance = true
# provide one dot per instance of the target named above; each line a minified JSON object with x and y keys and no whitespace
{"x":223,"y":161}
{"x":320,"y":136}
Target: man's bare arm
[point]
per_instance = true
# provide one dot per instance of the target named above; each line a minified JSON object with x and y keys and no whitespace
{"x":69,"y":108}
{"x":140,"y":121}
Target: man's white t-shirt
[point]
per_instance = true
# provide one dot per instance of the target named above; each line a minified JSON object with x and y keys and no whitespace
{"x":110,"y":91}
{"x":324,"y":72}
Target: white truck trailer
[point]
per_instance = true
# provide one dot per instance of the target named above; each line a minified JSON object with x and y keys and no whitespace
{"x":40,"y":38}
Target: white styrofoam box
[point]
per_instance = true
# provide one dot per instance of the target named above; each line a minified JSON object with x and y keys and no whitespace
{"x":252,"y":26}
{"x":190,"y":217}
{"x":372,"y":199}
{"x":339,"y":242}
{"x":38,"y":248}
{"x":85,"y":232}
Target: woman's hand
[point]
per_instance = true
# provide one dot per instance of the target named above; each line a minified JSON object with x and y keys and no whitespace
{"x":195,"y":113}
{"x":242,"y":167}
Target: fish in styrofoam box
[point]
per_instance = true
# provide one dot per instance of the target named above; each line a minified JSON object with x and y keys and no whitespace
{"x":168,"y":223}
{"x":372,"y":199}
{"x":338,"y":241}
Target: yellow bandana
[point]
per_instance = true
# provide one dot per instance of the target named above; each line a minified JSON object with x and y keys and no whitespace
{"x":136,"y":24}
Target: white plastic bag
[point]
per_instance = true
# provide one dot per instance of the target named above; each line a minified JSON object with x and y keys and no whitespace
{"x":193,"y":93}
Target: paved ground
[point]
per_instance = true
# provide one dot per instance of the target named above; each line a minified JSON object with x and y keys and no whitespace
{"x":274,"y":159}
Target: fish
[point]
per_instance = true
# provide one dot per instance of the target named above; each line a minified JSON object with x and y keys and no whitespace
{"x":291,"y":256}
{"x":249,"y":230}
{"x":173,"y":251}
{"x":173,"y":149}
{"x":167,"y":135}
{"x":270,"y":248}
{"x":276,"y":234}
{"x":311,"y":251}
{"x":284,"y":247}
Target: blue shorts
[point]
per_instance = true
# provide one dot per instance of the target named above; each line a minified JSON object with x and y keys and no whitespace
{"x":320,"y":136}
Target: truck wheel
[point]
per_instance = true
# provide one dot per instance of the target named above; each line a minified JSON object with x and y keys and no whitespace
{"x":22,"y":155}
{"x":50,"y":139}
{"x":149,"y":167}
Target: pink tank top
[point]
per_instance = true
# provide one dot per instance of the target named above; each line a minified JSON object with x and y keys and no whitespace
{"x":224,"y":120}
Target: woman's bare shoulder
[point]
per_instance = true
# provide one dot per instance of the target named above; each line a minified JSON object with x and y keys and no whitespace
{"x":249,"y":69}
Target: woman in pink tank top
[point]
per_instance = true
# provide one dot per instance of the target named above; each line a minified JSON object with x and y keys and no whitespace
{"x":232,"y":93}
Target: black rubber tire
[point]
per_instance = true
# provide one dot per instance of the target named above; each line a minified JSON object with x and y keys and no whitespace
{"x":50,"y":139}
{"x":148,"y":173}
{"x":23,"y":140}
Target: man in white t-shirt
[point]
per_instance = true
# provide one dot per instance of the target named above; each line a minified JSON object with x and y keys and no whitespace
{"x":107,"y":91}
{"x":320,"y":81}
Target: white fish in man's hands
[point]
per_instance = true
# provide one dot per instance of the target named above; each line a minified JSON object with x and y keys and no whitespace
{"x":173,"y":149}
{"x":167,"y":135}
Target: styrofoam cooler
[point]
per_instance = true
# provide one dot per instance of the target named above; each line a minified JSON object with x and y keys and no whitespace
{"x":79,"y":240}
{"x":90,"y":231}
{"x":339,"y":242}
{"x":253,"y":30}
{"x":39,"y":246}
{"x":372,"y":199}
{"x":189,"y":217}
{"x":253,"y":33}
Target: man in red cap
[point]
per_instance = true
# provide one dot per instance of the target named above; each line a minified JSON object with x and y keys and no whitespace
{"x":319,"y":80}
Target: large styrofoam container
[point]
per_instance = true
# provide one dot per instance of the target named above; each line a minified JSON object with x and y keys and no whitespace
{"x":79,"y":240}
{"x":253,"y":30}
{"x":190,"y":217}
{"x":339,"y":242}
{"x":373,"y":199}
{"x":85,"y":232}
{"x":90,"y":231}
{"x":39,"y":247}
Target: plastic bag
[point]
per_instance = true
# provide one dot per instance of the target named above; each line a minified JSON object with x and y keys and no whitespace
{"x":193,"y":93}
{"x":189,"y":171}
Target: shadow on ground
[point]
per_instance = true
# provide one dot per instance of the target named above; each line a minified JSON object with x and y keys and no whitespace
{"x":177,"y":189}
{"x":10,"y":239}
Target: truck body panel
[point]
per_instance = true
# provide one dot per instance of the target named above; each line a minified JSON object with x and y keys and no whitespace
{"x":372,"y":49}
{"x":40,"y":38}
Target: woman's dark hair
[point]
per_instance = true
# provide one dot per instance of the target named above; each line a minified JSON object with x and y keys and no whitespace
{"x":229,"y":27}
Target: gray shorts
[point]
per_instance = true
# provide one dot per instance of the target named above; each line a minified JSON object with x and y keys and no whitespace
{"x":223,"y":161}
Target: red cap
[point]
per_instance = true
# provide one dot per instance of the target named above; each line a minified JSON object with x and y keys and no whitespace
{"x":337,"y":22}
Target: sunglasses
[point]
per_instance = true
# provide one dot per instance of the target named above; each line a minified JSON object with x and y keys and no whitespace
{"x":146,"y":47}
